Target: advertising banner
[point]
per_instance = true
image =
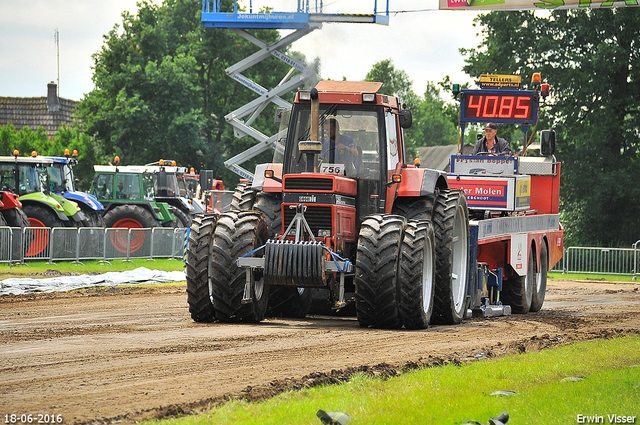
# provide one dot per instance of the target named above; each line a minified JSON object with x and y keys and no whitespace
{"x":530,"y":4}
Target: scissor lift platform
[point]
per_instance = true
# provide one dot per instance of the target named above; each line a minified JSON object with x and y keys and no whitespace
{"x":304,"y":20}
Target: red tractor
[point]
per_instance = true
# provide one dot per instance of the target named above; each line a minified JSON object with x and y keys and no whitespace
{"x":341,"y":209}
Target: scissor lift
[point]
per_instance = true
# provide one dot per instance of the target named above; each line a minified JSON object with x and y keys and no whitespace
{"x":304,"y":20}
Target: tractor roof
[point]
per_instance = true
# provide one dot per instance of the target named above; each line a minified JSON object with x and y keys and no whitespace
{"x":348,"y":86}
{"x":26,"y":159}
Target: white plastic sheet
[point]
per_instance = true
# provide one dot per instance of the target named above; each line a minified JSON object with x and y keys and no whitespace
{"x":67,"y":283}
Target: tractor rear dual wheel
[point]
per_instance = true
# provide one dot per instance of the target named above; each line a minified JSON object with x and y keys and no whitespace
{"x":237,"y":234}
{"x":198,"y":267}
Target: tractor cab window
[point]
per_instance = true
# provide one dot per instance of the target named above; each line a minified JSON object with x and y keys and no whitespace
{"x":56,"y":178}
{"x":6,"y":177}
{"x":393,"y":156}
{"x":28,"y":179}
{"x":147,"y":187}
{"x":103,"y":186}
{"x":167,"y":186}
{"x":127,"y":186}
{"x":349,"y":138}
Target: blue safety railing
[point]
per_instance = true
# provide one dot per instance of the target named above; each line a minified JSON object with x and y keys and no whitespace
{"x":307,"y":14}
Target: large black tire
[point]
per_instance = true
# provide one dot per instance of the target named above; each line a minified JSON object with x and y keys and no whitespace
{"x":95,"y":218}
{"x":270,"y":206}
{"x":184,"y":218}
{"x":197,"y":267}
{"x":127,"y":217}
{"x":243,"y":197}
{"x":417,"y":274}
{"x":237,"y":234}
{"x":540,"y":289}
{"x":451,"y":226}
{"x":15,"y":217}
{"x":41,"y":216}
{"x":415,"y":208}
{"x":377,"y":260}
{"x":518,"y":292}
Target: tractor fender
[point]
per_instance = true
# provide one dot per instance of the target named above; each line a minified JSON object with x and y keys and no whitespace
{"x":84,"y":198}
{"x":262,"y":184}
{"x":146,"y":205}
{"x":60,"y":214}
{"x":417,"y":182}
{"x":9,"y":200}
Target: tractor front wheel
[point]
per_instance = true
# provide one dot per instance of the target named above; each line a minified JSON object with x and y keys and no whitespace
{"x":238,"y":234}
{"x":40,"y":216}
{"x":377,"y":292}
{"x":197,"y":267}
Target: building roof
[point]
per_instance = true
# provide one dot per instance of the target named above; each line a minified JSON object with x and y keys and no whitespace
{"x":49,"y":111}
{"x":439,"y":157}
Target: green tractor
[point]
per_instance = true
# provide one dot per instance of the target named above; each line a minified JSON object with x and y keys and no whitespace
{"x":128,"y":196}
{"x":27,"y":177}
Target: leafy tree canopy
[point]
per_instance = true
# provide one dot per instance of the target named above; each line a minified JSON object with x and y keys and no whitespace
{"x":161,"y":91}
{"x":432,"y":125}
{"x":591,"y":58}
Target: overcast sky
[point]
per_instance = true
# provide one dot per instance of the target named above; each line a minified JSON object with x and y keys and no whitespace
{"x":423,"y":41}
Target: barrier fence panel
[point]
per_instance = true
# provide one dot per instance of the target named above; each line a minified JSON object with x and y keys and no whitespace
{"x":125,"y":244}
{"x":599,"y":260}
{"x":90,"y":243}
{"x":6,"y":245}
{"x":162,"y":242}
{"x":63,"y":243}
{"x":36,"y":243}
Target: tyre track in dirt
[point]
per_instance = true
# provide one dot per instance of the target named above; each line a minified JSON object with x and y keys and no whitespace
{"x":134,"y":353}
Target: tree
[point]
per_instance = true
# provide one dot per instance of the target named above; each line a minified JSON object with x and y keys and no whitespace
{"x":431,"y":123}
{"x":161,"y":91}
{"x":592,"y":59}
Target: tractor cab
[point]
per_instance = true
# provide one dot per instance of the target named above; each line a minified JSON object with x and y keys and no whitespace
{"x":342,"y":142}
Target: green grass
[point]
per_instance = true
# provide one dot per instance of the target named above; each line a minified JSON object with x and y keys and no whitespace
{"x":593,"y":277}
{"x":453,"y":394}
{"x":86,"y":267}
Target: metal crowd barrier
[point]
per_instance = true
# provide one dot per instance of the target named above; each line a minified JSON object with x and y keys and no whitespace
{"x":579,"y":259}
{"x":89,"y":243}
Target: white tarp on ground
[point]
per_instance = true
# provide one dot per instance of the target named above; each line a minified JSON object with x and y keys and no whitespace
{"x":67,"y":283}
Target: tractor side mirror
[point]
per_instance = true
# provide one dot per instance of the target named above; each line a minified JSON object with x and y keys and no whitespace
{"x":406,"y":120}
{"x":277,"y":119}
{"x":547,"y":142}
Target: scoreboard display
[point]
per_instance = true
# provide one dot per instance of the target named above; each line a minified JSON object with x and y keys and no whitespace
{"x":502,"y":106}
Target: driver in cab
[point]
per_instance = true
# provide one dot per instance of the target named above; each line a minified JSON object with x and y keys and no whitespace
{"x":339,"y":148}
{"x":490,"y":144}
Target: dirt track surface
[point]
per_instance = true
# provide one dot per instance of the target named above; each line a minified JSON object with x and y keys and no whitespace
{"x":132,"y":354}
